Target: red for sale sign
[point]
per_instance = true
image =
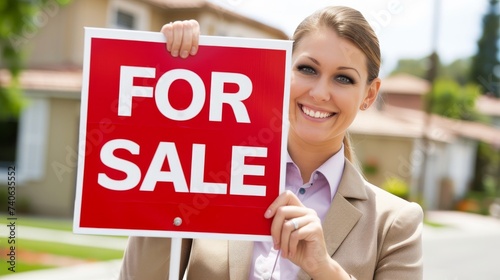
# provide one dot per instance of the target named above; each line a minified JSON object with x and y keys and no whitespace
{"x":176,"y":147}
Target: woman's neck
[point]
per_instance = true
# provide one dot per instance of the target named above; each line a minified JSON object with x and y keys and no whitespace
{"x":309,"y":157}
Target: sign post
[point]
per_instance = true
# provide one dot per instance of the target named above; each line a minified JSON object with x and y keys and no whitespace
{"x":181,"y":148}
{"x":175,"y":258}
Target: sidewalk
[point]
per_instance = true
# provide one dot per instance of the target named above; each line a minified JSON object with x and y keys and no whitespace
{"x":468,"y":247}
{"x":94,"y":271}
{"x":457,"y":225}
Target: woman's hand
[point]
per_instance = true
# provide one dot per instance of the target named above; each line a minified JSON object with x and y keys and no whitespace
{"x":298,"y":232}
{"x":182,"y":37}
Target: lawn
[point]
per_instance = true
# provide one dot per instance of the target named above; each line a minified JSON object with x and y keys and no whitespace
{"x":48,"y":223}
{"x":74,"y":251}
{"x":30,"y":253}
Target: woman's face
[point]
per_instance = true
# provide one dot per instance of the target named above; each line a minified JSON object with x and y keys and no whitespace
{"x":328,"y":87}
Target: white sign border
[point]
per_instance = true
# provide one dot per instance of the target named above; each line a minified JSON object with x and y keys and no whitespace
{"x":149,"y":36}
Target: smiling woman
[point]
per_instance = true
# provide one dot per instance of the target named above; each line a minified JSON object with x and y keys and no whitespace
{"x":329,"y":85}
{"x":330,"y":223}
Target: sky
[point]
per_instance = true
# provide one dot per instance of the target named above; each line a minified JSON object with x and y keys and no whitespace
{"x":405,"y":27}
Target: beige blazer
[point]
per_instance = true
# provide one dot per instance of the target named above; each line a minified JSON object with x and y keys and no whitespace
{"x":369,"y":232}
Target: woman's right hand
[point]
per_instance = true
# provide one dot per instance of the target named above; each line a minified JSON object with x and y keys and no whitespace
{"x":182,"y":37}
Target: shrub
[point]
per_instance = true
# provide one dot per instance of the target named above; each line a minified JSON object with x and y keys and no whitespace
{"x":397,"y":187}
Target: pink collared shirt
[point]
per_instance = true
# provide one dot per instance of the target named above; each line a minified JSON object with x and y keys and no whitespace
{"x":316,"y":194}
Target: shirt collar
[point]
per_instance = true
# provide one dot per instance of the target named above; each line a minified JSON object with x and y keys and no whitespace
{"x":331,"y":169}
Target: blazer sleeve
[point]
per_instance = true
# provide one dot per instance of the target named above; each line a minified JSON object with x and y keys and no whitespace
{"x":149,"y":258}
{"x":401,"y":251}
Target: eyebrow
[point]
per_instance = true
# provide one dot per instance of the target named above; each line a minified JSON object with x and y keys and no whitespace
{"x":315,"y":61}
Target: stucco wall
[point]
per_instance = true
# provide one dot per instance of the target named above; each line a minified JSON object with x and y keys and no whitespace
{"x":391,"y":155}
{"x":53,"y":195}
{"x":58,"y":41}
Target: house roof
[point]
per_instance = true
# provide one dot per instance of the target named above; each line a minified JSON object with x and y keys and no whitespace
{"x":488,"y":105}
{"x":221,"y":11}
{"x":405,"y":84}
{"x":178,"y":4}
{"x":388,"y":123}
{"x":46,"y":80}
{"x":403,"y":122}
{"x":438,"y":127}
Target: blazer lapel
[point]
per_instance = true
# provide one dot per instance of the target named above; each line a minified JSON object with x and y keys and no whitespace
{"x":240,"y":259}
{"x":342,"y":215}
{"x":339,"y":221}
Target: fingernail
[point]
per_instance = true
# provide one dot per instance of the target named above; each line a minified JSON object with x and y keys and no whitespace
{"x":184,"y":54}
{"x":267,"y":215}
{"x":193,"y":51}
{"x":175,"y":53}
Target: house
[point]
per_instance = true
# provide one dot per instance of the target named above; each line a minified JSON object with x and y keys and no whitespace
{"x":47,"y":144}
{"x":405,"y":91}
{"x":432,"y":154}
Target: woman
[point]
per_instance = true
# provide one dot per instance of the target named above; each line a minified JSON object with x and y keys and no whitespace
{"x":330,"y":223}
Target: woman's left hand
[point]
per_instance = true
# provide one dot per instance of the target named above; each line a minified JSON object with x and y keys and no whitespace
{"x":298,"y":232}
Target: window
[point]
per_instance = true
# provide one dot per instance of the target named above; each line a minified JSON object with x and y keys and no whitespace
{"x":23,"y":142}
{"x":8,"y":142}
{"x":128,"y":15}
{"x":125,"y":20}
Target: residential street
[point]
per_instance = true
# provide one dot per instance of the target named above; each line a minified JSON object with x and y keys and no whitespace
{"x":467,"y":248}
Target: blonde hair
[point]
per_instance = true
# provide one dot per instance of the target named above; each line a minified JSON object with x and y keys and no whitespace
{"x":351,"y":25}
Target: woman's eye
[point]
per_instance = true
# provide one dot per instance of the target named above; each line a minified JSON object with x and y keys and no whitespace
{"x":306,"y":69}
{"x":344,"y":79}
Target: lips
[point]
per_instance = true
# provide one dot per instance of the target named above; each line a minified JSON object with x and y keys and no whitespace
{"x":315,"y":114}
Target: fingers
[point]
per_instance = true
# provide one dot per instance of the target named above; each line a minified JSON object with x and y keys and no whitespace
{"x":285,"y":198}
{"x":177,"y":33}
{"x":310,"y":233}
{"x":291,"y":234}
{"x":282,"y":224}
{"x":299,"y":224}
{"x":195,"y":37}
{"x":182,"y":37}
{"x":168,"y":32}
{"x":292,"y":223}
{"x":284,"y":207}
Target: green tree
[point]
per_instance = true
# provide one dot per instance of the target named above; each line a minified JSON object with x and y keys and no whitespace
{"x":416,"y":67}
{"x":457,"y":70}
{"x":487,"y":177}
{"x":486,"y":59}
{"x":448,"y":98}
{"x":19,"y":21}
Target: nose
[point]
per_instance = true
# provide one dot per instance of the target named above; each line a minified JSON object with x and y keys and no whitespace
{"x":321,"y":91}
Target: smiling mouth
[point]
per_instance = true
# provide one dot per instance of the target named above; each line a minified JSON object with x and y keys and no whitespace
{"x":315,"y":114}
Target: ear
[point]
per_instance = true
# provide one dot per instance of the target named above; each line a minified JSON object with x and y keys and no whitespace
{"x":371,"y":93}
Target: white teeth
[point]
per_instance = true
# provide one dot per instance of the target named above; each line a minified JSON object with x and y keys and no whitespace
{"x":315,"y":114}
